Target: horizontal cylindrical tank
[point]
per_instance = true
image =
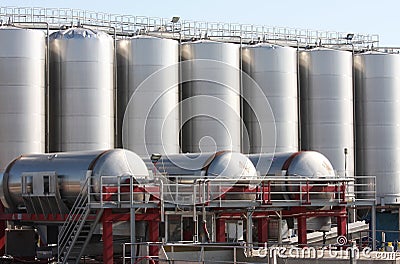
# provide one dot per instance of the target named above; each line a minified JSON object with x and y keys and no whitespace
{"x":310,"y":164}
{"x":148,"y":95}
{"x":327,"y":106}
{"x":187,"y":168}
{"x":211,"y":165}
{"x":81,"y":90}
{"x":210,"y":96}
{"x":71,"y":169}
{"x":22,"y":92}
{"x":274,"y":70}
{"x":378,"y":123}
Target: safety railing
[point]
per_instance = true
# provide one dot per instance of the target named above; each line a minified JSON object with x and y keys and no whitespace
{"x":198,"y":252}
{"x":58,"y":17}
{"x":244,"y":253}
{"x":128,"y":191}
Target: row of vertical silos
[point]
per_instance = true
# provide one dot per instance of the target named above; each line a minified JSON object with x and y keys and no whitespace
{"x":209,"y":111}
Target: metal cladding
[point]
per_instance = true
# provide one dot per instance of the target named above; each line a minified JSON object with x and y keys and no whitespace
{"x":71,"y":168}
{"x":81,"y":90}
{"x":378,"y":122}
{"x":274,"y":69}
{"x":210,"y":96}
{"x":22,"y":88}
{"x":327,"y":105}
{"x":148,"y":95}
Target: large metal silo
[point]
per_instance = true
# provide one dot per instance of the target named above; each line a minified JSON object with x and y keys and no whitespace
{"x":81,"y":90}
{"x":22,"y":92}
{"x":327,"y":106}
{"x":378,"y":122}
{"x":210,"y":96}
{"x":274,"y":69}
{"x":148,"y":94}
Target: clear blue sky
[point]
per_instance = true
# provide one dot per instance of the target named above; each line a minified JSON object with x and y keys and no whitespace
{"x":366,"y":17}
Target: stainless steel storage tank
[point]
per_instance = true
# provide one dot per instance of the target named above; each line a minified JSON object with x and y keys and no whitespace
{"x":310,"y":164}
{"x":378,"y":122}
{"x":210,"y":96}
{"x":227,"y":166}
{"x":22,"y":92}
{"x":81,"y":90}
{"x":70,"y":169}
{"x":327,"y":106}
{"x":274,"y":69}
{"x":148,"y":94}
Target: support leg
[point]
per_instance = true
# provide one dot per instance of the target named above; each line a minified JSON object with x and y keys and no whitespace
{"x":220,"y":230}
{"x":108,"y":250}
{"x":153,"y":236}
{"x":302,"y":230}
{"x":262,"y":230}
{"x":341,"y":225}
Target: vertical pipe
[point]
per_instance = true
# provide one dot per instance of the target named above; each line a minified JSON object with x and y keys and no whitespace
{"x":133,"y":233}
{"x":249,"y":229}
{"x":280,"y":228}
{"x":298,"y":99}
{"x":373,"y":226}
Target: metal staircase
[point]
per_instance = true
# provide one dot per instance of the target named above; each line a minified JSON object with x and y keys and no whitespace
{"x":78,"y":228}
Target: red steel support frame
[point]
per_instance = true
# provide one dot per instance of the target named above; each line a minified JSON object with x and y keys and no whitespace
{"x":302,"y":230}
{"x":153,"y":237}
{"x":108,"y":250}
{"x":220,"y":229}
{"x":341,"y":224}
{"x":262,"y":230}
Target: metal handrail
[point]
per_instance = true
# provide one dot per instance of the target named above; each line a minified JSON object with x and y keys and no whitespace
{"x":303,"y":190}
{"x":130,"y":24}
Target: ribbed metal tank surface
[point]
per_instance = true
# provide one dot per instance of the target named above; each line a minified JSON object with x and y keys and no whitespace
{"x":148,"y":95}
{"x":327,"y":106}
{"x":274,"y":69}
{"x":22,"y":92}
{"x":210,"y":96}
{"x":378,"y":122}
{"x":81,"y":90}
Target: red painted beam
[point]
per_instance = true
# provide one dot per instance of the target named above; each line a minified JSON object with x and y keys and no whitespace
{"x":220,"y":229}
{"x":262,"y":230}
{"x":153,"y":237}
{"x":108,"y":250}
{"x":302,"y":230}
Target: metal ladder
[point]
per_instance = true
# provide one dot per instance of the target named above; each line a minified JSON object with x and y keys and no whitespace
{"x":77,"y":230}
